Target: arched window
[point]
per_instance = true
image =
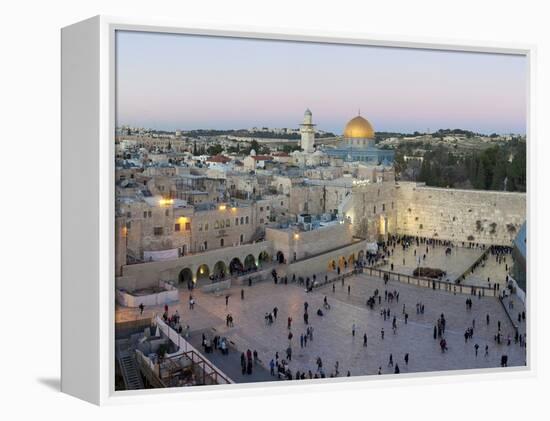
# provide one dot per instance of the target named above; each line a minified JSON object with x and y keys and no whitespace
{"x":221,"y":242}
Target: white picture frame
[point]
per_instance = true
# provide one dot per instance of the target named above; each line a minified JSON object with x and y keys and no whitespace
{"x":88,"y":127}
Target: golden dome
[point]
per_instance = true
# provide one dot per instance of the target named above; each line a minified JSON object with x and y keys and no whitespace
{"x":359,"y":128}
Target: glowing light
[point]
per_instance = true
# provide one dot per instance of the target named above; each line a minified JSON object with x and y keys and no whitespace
{"x":166,"y":202}
{"x":296,"y":236}
{"x":222,"y":207}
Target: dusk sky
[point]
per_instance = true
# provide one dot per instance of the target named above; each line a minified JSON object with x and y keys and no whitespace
{"x":170,"y":81}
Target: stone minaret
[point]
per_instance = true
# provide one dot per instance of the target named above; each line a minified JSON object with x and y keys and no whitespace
{"x":308,"y":133}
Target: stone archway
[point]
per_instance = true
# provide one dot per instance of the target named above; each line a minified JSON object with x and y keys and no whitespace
{"x":280,"y":257}
{"x":220,"y":270}
{"x":351,"y":259}
{"x":250,"y":263}
{"x":235,"y":266}
{"x":332,"y":265}
{"x":263,"y":258}
{"x":342,"y":263}
{"x":185,"y":277}
{"x":203,"y":274}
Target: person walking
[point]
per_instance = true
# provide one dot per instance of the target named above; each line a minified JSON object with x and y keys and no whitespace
{"x":365,"y":339}
{"x":476,"y":347}
{"x":242,"y":294}
{"x":353,"y":330}
{"x":141,"y":307}
{"x":406,"y":358}
{"x":289,"y":321}
{"x":349,"y":289}
{"x":390,"y":362}
{"x":226,"y":300}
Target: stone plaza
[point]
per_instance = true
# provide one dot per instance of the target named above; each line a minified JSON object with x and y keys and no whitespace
{"x":332,"y":338}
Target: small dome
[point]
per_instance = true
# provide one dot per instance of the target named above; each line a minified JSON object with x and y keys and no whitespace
{"x":308,"y":112}
{"x":359,"y":128}
{"x":252,"y":152}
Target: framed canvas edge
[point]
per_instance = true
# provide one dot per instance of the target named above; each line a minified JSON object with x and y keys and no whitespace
{"x":108,"y":27}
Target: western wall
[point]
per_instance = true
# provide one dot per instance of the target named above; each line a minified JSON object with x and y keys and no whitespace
{"x":479,"y":216}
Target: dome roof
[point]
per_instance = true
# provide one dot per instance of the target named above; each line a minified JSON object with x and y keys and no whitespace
{"x":358,"y":128}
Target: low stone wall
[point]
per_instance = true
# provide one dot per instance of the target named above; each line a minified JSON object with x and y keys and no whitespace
{"x":169,"y":295}
{"x":320,"y":264}
{"x":216,"y":286}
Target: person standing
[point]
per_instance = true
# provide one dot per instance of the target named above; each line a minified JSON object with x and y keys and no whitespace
{"x":289,"y":321}
{"x":476,"y":347}
{"x":365,"y":339}
{"x":353,"y":330}
{"x":242,"y":294}
{"x":141,"y":307}
{"x":275,"y":310}
{"x":406,"y":358}
{"x":226,"y":300}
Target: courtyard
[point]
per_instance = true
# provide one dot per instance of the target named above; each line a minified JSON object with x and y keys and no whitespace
{"x":332,"y":337}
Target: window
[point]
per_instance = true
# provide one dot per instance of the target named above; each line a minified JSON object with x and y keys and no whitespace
{"x":157,"y":230}
{"x":261,"y":208}
{"x":206,"y":227}
{"x":375,"y":209}
{"x":383,"y":207}
{"x":200,"y":227}
{"x":282,"y":203}
{"x":167,"y":212}
{"x":217,"y":225}
{"x":242,"y":238}
{"x":128,"y":214}
{"x":188,"y":226}
{"x":177,"y":227}
{"x":392,"y":205}
{"x":128,"y":225}
{"x":261,"y":220}
{"x":227,"y":223}
{"x":206,"y":245}
{"x":267,"y":208}
{"x":236,"y":221}
{"x":242,"y":220}
{"x":247,"y":219}
{"x":149,"y":214}
{"x":145,"y":214}
{"x":221,"y":242}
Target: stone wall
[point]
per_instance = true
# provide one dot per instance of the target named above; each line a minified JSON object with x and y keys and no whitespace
{"x":487,"y":217}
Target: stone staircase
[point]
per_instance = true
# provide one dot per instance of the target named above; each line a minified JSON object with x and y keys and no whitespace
{"x":129,"y":368}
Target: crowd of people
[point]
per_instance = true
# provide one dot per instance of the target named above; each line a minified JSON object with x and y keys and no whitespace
{"x":386,"y":304}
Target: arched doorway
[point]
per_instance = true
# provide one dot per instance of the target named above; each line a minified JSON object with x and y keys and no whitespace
{"x":235,"y":266}
{"x":332,"y":265}
{"x":263,"y":257}
{"x":220,"y":270}
{"x":185,"y":277}
{"x":351,"y":259}
{"x":280,"y":257}
{"x":249,"y":262}
{"x":342,"y":262}
{"x":203,"y":273}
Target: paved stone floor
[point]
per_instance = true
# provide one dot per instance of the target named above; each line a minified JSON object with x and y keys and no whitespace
{"x":489,"y":269}
{"x":333,"y":340}
{"x":455,"y":265}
